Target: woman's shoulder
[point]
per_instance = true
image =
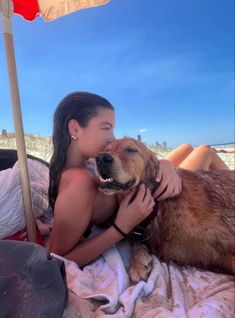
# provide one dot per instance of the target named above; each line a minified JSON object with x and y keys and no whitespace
{"x":78,"y":178}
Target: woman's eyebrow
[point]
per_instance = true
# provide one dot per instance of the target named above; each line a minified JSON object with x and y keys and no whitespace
{"x":106,"y":123}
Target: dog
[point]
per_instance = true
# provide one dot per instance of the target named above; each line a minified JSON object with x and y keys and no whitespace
{"x":196,"y":228}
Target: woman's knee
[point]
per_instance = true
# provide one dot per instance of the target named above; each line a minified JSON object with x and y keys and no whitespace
{"x":187,"y":147}
{"x":200,"y":158}
{"x":204,"y":148}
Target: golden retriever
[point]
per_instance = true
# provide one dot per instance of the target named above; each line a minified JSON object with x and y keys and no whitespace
{"x":196,"y":228}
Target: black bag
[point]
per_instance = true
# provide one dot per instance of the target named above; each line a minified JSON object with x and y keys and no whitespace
{"x":8,"y":158}
{"x":32,"y":282}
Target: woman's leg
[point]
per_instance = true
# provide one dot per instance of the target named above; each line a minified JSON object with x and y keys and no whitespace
{"x":205,"y":158}
{"x":179,"y":154}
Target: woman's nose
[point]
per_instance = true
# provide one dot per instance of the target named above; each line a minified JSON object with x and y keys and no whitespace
{"x":112,"y":138}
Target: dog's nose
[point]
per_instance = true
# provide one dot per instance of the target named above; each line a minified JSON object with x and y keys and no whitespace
{"x":104,"y":158}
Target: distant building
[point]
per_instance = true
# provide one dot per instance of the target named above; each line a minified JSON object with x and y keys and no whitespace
{"x":4,"y":133}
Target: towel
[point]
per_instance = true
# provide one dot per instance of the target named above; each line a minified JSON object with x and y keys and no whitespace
{"x":103,"y":289}
{"x":12,"y":217}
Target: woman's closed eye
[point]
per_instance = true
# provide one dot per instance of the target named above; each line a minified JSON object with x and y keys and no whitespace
{"x":108,"y":129}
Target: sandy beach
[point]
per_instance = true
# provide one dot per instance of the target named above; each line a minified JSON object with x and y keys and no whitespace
{"x":229,"y":159}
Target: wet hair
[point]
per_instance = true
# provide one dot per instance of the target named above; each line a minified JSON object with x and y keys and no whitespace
{"x":82,"y":107}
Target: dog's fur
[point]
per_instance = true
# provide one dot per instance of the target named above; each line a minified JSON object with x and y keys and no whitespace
{"x":196,"y":228}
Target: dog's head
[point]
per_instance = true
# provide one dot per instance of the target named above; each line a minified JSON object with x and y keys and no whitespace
{"x":124,"y":164}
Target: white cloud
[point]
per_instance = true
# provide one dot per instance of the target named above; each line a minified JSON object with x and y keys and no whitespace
{"x":143,"y":130}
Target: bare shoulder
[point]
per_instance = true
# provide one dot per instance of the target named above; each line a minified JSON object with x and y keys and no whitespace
{"x":77,"y":179}
{"x":73,"y":209}
{"x":77,"y":191}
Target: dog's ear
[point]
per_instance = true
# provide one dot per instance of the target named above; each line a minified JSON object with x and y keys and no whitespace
{"x":151,"y":169}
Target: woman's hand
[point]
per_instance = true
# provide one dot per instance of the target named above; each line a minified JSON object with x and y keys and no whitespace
{"x":170,"y":183}
{"x":133,"y":211}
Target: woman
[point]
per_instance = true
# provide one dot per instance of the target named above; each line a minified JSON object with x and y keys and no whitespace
{"x":83,"y":126}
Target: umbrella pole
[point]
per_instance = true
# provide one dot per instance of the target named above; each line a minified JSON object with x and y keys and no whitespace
{"x":20,"y":142}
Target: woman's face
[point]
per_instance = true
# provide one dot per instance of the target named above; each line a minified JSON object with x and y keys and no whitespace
{"x":99,"y":132}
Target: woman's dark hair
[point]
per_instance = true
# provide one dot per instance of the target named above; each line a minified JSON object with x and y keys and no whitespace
{"x":81,"y":106}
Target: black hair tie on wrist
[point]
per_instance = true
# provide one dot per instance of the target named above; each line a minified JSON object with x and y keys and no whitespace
{"x":119,"y":230}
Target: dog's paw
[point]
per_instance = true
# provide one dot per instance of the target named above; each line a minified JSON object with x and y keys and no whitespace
{"x":140,"y":268}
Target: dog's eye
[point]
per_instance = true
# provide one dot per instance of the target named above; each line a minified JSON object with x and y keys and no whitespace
{"x":130,"y":150}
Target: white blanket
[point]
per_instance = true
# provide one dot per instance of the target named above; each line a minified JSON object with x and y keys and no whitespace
{"x":102,"y":289}
{"x":12,"y":217}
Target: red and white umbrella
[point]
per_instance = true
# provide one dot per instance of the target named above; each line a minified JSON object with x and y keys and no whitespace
{"x":29,"y":10}
{"x":52,"y":9}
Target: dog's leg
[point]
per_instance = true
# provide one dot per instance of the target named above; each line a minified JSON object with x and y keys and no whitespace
{"x":141,"y":263}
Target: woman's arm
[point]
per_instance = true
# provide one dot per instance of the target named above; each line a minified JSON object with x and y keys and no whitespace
{"x":73,"y":211}
{"x":89,"y":249}
{"x":131,"y":212}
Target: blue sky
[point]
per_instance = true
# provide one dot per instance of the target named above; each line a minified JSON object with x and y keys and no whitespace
{"x":167,"y":66}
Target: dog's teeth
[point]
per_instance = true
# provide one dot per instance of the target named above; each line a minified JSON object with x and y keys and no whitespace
{"x":106,"y":180}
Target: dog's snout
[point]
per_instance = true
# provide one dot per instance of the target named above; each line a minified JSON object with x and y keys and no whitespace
{"x":104,"y":158}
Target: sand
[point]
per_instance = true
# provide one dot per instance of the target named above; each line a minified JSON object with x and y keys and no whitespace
{"x":229,"y":159}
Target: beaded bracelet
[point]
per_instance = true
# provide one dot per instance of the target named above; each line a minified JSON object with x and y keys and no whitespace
{"x":119,"y":230}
